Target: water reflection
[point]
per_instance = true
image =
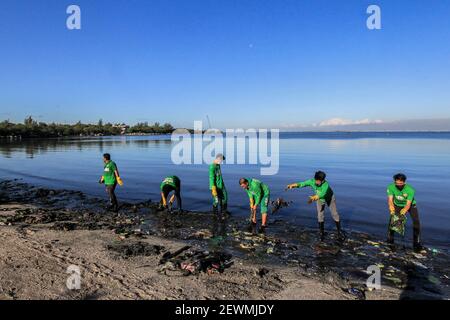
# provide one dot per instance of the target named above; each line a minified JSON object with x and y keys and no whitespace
{"x":35,"y":147}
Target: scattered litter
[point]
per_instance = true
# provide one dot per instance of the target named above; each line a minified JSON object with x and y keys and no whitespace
{"x":169,"y":255}
{"x":397,"y":224}
{"x":359,"y":294}
{"x":136,"y":249}
{"x":262,"y":272}
{"x":279,"y":204}
{"x":434,"y":280}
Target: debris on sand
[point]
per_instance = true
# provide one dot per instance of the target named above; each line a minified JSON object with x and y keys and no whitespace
{"x":64,"y":226}
{"x":127,"y":250}
{"x":358,"y":293}
{"x":170,"y":255}
{"x":195,"y":261}
{"x":207,"y":245}
{"x":279,"y":204}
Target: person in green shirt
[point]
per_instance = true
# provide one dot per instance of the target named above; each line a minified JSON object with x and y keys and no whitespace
{"x":401,"y":200}
{"x":217,"y":186}
{"x":169,"y":184}
{"x":324,"y":196}
{"x":111,"y":178}
{"x":259,"y":195}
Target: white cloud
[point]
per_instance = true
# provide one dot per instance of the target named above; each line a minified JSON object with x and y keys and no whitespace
{"x":346,"y":122}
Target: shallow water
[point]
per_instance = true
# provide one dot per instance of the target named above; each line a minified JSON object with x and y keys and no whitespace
{"x":359,"y":167}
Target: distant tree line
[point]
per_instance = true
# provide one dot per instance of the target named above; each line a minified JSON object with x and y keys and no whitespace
{"x":33,"y":129}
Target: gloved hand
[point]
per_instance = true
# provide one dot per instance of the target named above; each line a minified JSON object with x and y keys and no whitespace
{"x":291,"y":186}
{"x":392,"y":209}
{"x":313,"y":198}
{"x":404,"y":211}
{"x":119,"y":181}
{"x":214,"y":191}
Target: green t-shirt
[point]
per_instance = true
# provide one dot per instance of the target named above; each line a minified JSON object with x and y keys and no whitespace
{"x":172,"y":181}
{"x":401,"y":197}
{"x":215,"y":176}
{"x":324,"y":191}
{"x":256,"y":190}
{"x":109,"y":176}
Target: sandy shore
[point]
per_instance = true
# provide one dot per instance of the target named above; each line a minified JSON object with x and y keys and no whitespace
{"x":131,"y":255}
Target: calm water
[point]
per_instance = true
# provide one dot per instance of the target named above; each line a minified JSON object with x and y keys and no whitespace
{"x":359,"y":167}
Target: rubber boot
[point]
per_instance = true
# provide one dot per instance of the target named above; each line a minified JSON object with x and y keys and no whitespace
{"x":418,"y":248}
{"x":322,"y":231}
{"x":215,"y":210}
{"x":251,"y":227}
{"x":262,"y":230}
{"x":340,"y":235}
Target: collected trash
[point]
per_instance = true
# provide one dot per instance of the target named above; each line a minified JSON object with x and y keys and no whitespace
{"x":279,"y":204}
{"x":196,"y":261}
{"x":359,"y":294}
{"x":169,"y":255}
{"x":397,"y":224}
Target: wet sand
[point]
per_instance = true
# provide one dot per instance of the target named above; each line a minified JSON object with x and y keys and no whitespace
{"x":144,"y":253}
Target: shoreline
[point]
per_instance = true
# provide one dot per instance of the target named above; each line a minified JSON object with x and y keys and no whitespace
{"x":134,"y":255}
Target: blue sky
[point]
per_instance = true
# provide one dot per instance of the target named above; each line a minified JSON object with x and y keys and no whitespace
{"x":245,"y":63}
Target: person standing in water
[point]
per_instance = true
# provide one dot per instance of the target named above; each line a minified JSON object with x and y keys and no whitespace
{"x":111,"y":178}
{"x":169,"y":184}
{"x":401,"y":200}
{"x":217,"y":186}
{"x":258,"y":194}
{"x":324,"y":196}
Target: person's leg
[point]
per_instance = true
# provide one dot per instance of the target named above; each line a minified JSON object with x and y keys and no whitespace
{"x":215,"y":203}
{"x":224,"y":204}
{"x":335,"y":215}
{"x":264,"y":212}
{"x":321,"y":219}
{"x":112,"y":196}
{"x":414,"y":212}
{"x":264,"y":209}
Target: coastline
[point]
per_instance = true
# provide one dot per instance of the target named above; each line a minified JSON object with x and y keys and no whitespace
{"x":128,"y":256}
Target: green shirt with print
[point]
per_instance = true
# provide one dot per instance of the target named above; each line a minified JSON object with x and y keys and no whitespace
{"x":109,"y":176}
{"x":401,"y":197}
{"x":256,"y":190}
{"x":172,"y":181}
{"x":324,"y":191}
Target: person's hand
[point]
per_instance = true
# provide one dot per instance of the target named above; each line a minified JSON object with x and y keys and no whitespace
{"x":392,"y":209}
{"x":404,"y":211}
{"x":253,"y":207}
{"x":120,"y":181}
{"x":291,"y":186}
{"x":214,"y":191}
{"x":100,"y":180}
{"x":313,"y":198}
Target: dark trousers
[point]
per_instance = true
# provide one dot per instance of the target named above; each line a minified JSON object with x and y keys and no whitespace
{"x":414,"y":213}
{"x":110,"y":190}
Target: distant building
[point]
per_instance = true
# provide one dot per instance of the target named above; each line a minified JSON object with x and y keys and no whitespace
{"x":123,"y":127}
